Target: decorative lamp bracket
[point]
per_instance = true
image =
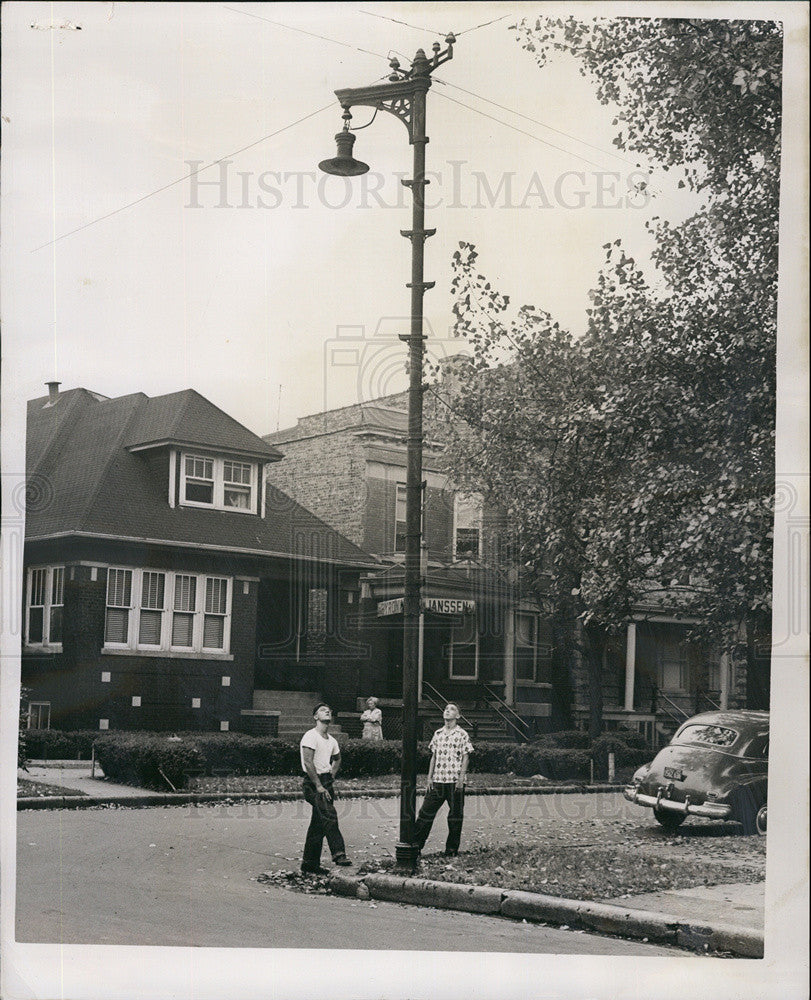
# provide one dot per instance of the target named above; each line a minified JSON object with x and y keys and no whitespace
{"x":396,"y":97}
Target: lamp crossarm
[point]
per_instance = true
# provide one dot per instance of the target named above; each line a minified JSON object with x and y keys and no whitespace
{"x":395,"y":97}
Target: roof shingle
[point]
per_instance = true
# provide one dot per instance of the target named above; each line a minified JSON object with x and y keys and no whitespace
{"x":98,"y":487}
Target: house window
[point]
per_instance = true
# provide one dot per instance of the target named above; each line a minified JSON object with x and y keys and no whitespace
{"x":237,"y":485}
{"x":674,"y":666}
{"x":400,"y":519}
{"x":216,"y":611}
{"x":39,"y":715}
{"x":198,"y":479}
{"x":119,"y":605}
{"x":467,"y":525}
{"x":188,"y":623}
{"x":527,"y":647}
{"x":185,"y":604}
{"x":223,"y":484}
{"x":152,"y":607}
{"x":400,"y":516}
{"x":463,"y":651}
{"x":46,"y":586}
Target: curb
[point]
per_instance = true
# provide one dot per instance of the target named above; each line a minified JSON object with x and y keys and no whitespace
{"x":606,"y":918}
{"x":143,"y":800}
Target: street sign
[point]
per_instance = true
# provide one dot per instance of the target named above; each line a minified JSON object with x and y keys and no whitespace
{"x":448,"y":605}
{"x":438,"y":605}
{"x":390,"y":607}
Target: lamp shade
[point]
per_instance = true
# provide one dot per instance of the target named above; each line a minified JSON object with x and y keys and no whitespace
{"x":344,"y":164}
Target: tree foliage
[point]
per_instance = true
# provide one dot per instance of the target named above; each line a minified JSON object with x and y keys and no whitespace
{"x":637,"y":462}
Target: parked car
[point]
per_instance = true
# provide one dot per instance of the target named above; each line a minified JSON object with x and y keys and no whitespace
{"x":715,"y":766}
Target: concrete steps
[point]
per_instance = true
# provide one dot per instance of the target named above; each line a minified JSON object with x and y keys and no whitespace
{"x":295,"y":711}
{"x":488,"y":727}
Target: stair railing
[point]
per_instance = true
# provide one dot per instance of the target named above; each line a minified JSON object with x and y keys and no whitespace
{"x":506,"y":713}
{"x":438,"y":700}
{"x":709,"y":702}
{"x":673,"y":711}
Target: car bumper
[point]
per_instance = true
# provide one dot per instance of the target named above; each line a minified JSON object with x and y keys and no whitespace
{"x":710,"y":810}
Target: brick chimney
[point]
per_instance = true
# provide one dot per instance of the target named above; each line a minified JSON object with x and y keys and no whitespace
{"x":53,"y":392}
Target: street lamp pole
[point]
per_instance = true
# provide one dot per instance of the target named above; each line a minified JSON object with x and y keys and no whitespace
{"x":404,"y":96}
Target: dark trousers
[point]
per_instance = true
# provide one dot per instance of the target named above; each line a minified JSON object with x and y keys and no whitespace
{"x":324,"y":823}
{"x":438,"y":793}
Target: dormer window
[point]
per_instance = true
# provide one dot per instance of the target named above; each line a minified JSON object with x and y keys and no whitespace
{"x":237,"y":484}
{"x":221,"y":483}
{"x":198,"y":479}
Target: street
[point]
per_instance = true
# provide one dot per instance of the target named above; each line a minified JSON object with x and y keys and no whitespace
{"x":183,"y":876}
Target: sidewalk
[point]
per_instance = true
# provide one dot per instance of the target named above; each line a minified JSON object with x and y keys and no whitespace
{"x":76,"y":775}
{"x":726,"y":918}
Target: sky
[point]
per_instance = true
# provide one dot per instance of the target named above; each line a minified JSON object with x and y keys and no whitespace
{"x":272,"y":289}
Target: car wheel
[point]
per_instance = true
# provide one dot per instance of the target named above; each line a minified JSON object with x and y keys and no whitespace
{"x":760,"y":821}
{"x":746,"y":808}
{"x":671,"y":821}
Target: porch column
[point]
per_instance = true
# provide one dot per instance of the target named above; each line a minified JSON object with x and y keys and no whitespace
{"x":723,"y":669}
{"x":630,"y":666}
{"x":509,"y":656}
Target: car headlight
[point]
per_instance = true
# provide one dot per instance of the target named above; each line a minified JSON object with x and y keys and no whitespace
{"x":640,"y":774}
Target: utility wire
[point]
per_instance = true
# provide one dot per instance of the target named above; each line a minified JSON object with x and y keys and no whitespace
{"x":301,"y":31}
{"x":515,"y":128}
{"x":185,"y":177}
{"x":430,"y":31}
{"x":535,"y":121}
{"x":194,"y":173}
{"x":495,"y":20}
{"x":405,"y":24}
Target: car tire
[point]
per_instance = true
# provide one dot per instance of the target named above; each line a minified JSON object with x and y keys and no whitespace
{"x":669,"y":820}
{"x":760,"y":821}
{"x":747,"y":804}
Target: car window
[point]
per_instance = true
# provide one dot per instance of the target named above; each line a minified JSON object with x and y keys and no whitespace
{"x":716,"y":736}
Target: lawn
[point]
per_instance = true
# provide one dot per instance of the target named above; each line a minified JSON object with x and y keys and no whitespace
{"x":38,"y":789}
{"x":601,"y":859}
{"x":346,"y":786}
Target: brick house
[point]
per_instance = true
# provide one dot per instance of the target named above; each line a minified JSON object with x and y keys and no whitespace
{"x":482,"y":644}
{"x":167,"y":584}
{"x":485,"y":643}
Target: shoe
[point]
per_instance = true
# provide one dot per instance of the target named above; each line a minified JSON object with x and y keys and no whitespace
{"x":317,"y":870}
{"x":342,"y":860}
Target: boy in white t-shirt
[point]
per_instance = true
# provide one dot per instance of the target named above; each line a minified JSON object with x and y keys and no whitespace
{"x":320,"y":760}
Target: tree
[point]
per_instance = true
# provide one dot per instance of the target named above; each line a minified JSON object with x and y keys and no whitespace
{"x":637,"y":463}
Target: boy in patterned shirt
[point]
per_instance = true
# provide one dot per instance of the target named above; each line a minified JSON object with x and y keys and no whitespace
{"x":450,"y":751}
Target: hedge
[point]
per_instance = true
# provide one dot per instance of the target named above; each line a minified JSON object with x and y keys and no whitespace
{"x":566,"y":739}
{"x":54,"y":744}
{"x":559,"y":764}
{"x":153,"y":760}
{"x":624,"y":755}
{"x":148,"y":760}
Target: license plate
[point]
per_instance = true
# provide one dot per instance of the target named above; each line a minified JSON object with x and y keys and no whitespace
{"x":674,"y":774}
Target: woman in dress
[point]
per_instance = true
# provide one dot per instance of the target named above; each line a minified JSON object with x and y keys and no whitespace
{"x":372,"y":720}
